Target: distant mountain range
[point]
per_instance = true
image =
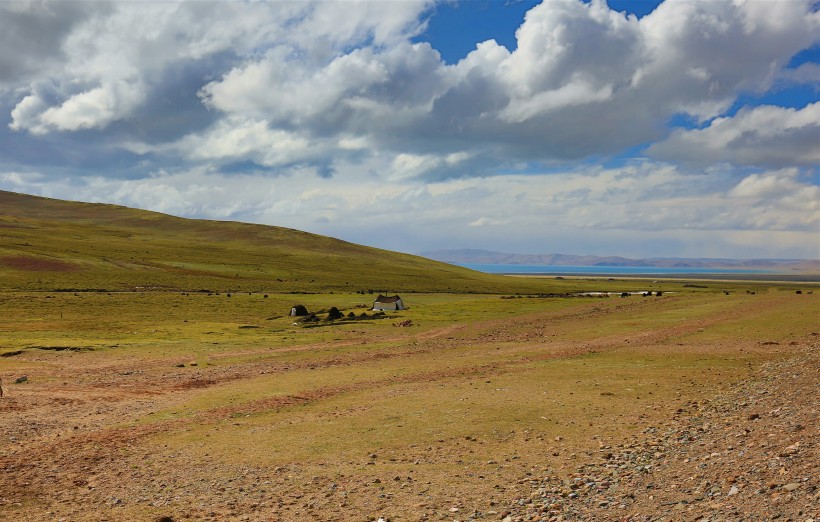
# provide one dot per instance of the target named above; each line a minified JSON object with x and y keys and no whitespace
{"x":475,"y":257}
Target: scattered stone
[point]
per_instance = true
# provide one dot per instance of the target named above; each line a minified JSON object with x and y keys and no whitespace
{"x":21,"y":379}
{"x":678,"y":466}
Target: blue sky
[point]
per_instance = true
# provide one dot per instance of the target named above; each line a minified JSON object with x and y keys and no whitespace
{"x":634,"y":128}
{"x":456,"y":27}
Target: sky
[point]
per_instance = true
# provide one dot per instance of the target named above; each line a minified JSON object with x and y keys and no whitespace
{"x":683,"y":128}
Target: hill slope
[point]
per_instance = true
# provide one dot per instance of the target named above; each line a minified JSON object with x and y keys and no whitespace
{"x":48,"y":244}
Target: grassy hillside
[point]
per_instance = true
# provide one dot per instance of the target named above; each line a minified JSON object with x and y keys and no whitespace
{"x":48,"y":244}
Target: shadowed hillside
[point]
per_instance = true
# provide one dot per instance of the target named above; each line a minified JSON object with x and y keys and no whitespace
{"x":50,"y":244}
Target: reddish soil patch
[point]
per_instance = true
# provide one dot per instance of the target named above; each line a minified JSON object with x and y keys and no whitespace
{"x":37,"y":264}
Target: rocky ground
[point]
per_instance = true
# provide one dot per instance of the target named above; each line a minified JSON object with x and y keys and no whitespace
{"x":748,"y":455}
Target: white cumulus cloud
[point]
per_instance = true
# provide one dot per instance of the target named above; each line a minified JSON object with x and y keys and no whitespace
{"x":765,"y":135}
{"x":583,"y":80}
{"x":236,"y":109}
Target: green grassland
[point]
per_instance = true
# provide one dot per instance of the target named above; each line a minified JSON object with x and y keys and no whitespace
{"x":479,"y":391}
{"x":217,"y":405}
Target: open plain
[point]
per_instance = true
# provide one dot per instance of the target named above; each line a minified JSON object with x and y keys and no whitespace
{"x":695,"y":405}
{"x":151,"y":371}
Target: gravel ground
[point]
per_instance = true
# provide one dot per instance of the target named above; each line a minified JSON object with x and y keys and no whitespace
{"x":748,"y":455}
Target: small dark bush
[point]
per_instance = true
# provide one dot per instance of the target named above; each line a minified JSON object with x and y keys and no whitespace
{"x":334,"y":313}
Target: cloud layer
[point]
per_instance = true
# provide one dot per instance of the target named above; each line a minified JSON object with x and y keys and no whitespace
{"x":764,"y":135}
{"x":180,"y":106}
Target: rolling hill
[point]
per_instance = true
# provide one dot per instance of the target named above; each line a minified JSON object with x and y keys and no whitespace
{"x":48,"y":244}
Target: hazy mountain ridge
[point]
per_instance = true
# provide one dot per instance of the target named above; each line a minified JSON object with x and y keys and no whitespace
{"x":475,"y":256}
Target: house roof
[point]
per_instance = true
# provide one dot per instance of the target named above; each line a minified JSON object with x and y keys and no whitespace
{"x":385,"y":299}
